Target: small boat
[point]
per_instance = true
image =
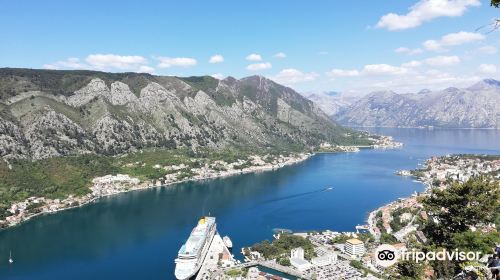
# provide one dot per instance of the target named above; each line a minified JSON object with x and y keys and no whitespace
{"x":10,"y":257}
{"x":227,"y":242}
{"x":329,"y":188}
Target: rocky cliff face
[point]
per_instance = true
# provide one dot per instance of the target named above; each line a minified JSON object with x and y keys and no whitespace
{"x":47,"y":113}
{"x":477,"y":106}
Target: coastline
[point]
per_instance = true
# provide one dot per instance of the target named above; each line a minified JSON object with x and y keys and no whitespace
{"x":436,"y":170}
{"x":129,"y":186}
{"x":371,"y":220}
{"x":120,"y":183}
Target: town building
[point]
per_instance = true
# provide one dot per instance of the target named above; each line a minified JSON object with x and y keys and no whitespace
{"x":421,"y":237}
{"x":354,"y":247}
{"x":297,"y":259}
{"x":325,"y":260}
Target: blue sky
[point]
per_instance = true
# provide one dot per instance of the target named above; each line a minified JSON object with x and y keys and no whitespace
{"x":349,"y":46}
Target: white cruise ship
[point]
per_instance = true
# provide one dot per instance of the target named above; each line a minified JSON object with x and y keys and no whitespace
{"x":193,"y":252}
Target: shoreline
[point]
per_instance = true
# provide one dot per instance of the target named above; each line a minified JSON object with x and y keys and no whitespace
{"x":150,"y":184}
{"x":435,"y":171}
{"x":371,"y":220}
{"x":121,"y":183}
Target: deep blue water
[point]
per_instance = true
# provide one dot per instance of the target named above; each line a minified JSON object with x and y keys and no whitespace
{"x":136,"y":235}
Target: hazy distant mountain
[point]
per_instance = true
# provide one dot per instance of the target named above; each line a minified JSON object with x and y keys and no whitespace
{"x":477,"y":106}
{"x":330,"y":102}
{"x":46,"y":113}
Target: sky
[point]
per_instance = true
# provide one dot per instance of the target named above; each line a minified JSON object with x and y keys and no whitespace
{"x":354,"y":47}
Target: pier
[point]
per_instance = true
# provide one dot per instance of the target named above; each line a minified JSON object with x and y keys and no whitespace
{"x":272,"y":265}
{"x":362,"y":228}
{"x":210,"y":267}
{"x":215,"y":268}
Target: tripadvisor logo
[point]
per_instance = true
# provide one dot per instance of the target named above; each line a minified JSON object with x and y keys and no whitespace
{"x":387,"y":255}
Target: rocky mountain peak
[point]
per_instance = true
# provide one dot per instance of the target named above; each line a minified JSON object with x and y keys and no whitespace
{"x":477,"y":106}
{"x":424,"y":91}
{"x":485,"y":84}
{"x":382,"y":95}
{"x":46,"y":113}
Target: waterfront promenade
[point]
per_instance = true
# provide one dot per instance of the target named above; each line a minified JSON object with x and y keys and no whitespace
{"x":272,"y":265}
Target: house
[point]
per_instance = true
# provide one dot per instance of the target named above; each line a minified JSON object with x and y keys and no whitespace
{"x":421,"y":237}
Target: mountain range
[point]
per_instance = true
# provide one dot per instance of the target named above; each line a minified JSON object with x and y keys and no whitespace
{"x":331,"y":102}
{"x":48,"y":113}
{"x":477,"y":106}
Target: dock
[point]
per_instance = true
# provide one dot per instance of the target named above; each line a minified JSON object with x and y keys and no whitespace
{"x":215,"y":268}
{"x":272,"y":265}
{"x":210,"y":268}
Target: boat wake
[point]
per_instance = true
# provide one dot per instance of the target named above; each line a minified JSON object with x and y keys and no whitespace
{"x":294,"y":196}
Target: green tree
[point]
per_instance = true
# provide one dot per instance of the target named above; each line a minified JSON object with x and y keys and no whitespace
{"x":356,"y":264}
{"x":476,"y":241}
{"x":410,"y":269}
{"x":387,"y":238}
{"x":284,"y":261}
{"x":234,"y":272}
{"x":459,"y":207}
{"x":495,"y":3}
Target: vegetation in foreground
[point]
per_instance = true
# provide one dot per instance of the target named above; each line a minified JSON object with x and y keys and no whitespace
{"x":459,"y":218}
{"x":458,"y":213}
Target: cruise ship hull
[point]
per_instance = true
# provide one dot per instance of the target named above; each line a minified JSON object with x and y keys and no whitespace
{"x":184,"y":274}
{"x":187,"y":267}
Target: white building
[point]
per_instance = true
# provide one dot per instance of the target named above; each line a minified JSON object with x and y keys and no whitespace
{"x":253,"y":273}
{"x":354,"y":247}
{"x":300,"y":265}
{"x":255,"y":255}
{"x":297,"y":259}
{"x":325,"y":260}
{"x":297,"y":253}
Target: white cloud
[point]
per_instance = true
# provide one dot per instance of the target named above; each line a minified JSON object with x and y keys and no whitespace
{"x":462,"y":37}
{"x":425,"y":10}
{"x":254,"y":57}
{"x":70,"y":63}
{"x":280,"y":55}
{"x":216,"y":59}
{"x":107,"y":61}
{"x":342,"y":73}
{"x":409,"y":51}
{"x":383,"y":69}
{"x":373,"y":70}
{"x":452,"y":39}
{"x":412,"y":64}
{"x":167,"y":62}
{"x":433,"y":45}
{"x":259,"y":66}
{"x":146,"y":69}
{"x":104,"y":62}
{"x":218,"y":76}
{"x":442,"y":60}
{"x":292,"y":76}
{"x":488,"y":50}
{"x":431,"y":79}
{"x":487,"y":68}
